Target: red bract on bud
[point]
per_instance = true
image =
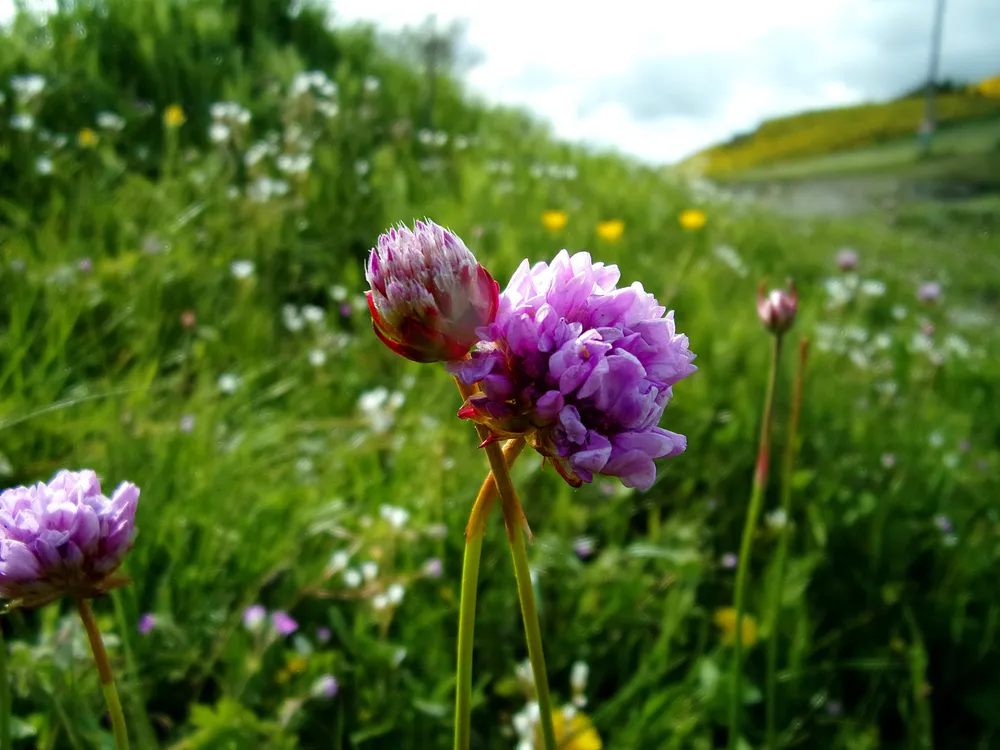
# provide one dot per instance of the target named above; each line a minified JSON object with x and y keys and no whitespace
{"x":777,"y":310}
{"x":428,"y":294}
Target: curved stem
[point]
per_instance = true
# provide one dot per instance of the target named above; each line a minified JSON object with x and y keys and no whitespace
{"x":5,"y":709}
{"x":474,"y":534}
{"x":788,"y":466}
{"x":514,"y":519}
{"x":749,"y":526}
{"x":104,"y":671}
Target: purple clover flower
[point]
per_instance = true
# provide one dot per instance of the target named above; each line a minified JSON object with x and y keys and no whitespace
{"x":325,"y":687}
{"x":253,"y":616}
{"x":777,"y":310}
{"x":730,"y":561}
{"x":146,"y":624}
{"x":929,"y":292}
{"x":428,"y":294}
{"x":847,"y":259}
{"x":283,"y":623}
{"x":64,"y":538}
{"x":323,"y":634}
{"x":581,"y":368}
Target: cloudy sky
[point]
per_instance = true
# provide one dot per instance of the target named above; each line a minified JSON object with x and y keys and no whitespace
{"x":662,"y":78}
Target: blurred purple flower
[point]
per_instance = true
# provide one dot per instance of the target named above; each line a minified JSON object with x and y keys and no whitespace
{"x":433,"y":568}
{"x":581,"y":369}
{"x":965,"y":446}
{"x":929,"y":292}
{"x":847,"y":259}
{"x":583,"y":547}
{"x":146,"y":624}
{"x":888,"y":460}
{"x":834,"y":708}
{"x":283,"y":623}
{"x":85,"y":264}
{"x":777,"y":310}
{"x":942,"y":522}
{"x":323,"y":635}
{"x":729,"y":561}
{"x":64,"y":538}
{"x":345,"y":310}
{"x":325,"y":687}
{"x":253,"y":616}
{"x":428,"y":294}
{"x":187,"y":423}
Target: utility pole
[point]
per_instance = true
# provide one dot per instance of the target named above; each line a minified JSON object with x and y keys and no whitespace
{"x":434,"y":45}
{"x":928,"y":125}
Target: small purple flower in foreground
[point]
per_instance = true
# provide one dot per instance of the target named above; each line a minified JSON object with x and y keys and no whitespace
{"x":583,"y":547}
{"x":729,"y":561}
{"x":580,"y":368}
{"x":433,"y":568}
{"x":253,"y":616}
{"x":283,"y":623}
{"x":777,"y":310}
{"x":146,"y":624}
{"x":847,"y":259}
{"x":929,"y":292}
{"x":64,"y":538}
{"x":325,"y":687}
{"x":323,"y":635}
{"x":942,"y":522}
{"x":428,"y":294}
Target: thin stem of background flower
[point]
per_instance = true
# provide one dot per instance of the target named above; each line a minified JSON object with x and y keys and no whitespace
{"x":104,"y":671}
{"x":5,"y":733}
{"x":474,"y":534}
{"x":788,"y":465}
{"x":753,"y":513}
{"x":514,"y":517}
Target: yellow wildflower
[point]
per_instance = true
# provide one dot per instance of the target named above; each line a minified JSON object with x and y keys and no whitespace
{"x":611,"y":230}
{"x":573,"y":731}
{"x":725,"y":618}
{"x":554,"y":220}
{"x":87,"y":138}
{"x":173,"y":116}
{"x":692,"y":219}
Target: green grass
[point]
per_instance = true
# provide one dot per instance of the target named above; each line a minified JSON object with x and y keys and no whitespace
{"x":968,"y":150}
{"x":887,"y":635}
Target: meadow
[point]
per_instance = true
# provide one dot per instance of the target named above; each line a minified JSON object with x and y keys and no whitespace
{"x":188,"y":193}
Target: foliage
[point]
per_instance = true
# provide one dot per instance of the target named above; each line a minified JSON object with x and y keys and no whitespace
{"x":825,"y":131}
{"x":184,"y":310}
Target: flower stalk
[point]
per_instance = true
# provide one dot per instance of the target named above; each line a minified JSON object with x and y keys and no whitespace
{"x":474,"y":534}
{"x":104,"y":671}
{"x":514,"y":519}
{"x":5,"y":707}
{"x":749,"y":526}
{"x":788,"y":466}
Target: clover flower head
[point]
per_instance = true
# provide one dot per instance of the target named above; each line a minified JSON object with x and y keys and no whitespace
{"x":428,"y":293}
{"x":580,"y":368}
{"x":777,"y":309}
{"x":64,"y":538}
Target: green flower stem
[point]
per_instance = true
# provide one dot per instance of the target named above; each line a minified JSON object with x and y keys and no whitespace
{"x":788,"y":465}
{"x":104,"y":670}
{"x":749,"y":526}
{"x":515,"y":521}
{"x":474,"y":534}
{"x":6,"y":743}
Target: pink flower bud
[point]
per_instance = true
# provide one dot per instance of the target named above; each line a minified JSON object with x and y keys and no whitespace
{"x":428,"y":294}
{"x":777,"y":310}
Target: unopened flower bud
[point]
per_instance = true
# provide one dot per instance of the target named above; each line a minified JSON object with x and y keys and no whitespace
{"x":428,"y":294}
{"x":777,"y":310}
